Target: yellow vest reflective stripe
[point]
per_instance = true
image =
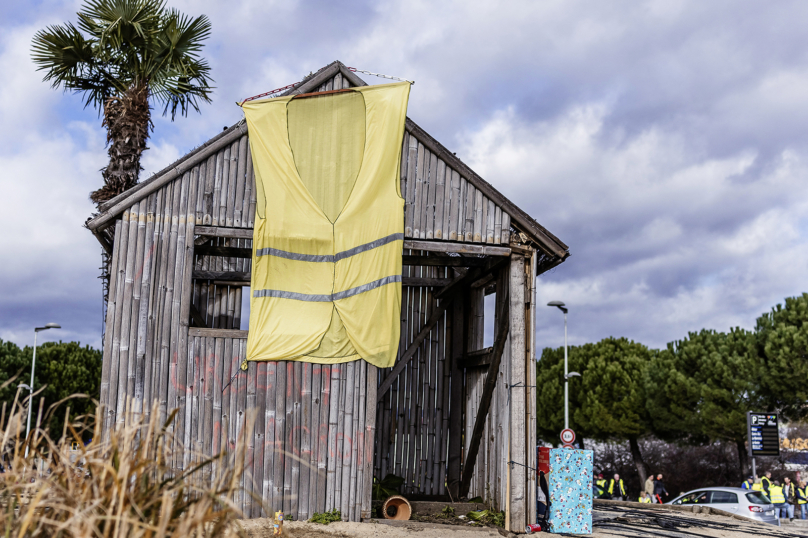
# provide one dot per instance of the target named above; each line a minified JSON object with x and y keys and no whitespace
{"x":757,"y":486}
{"x":776,"y":494}
{"x":329,"y":226}
{"x":621,"y":488}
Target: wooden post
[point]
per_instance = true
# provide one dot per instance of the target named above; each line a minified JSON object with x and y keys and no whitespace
{"x":370,"y":435}
{"x":518,"y":477}
{"x":109,"y":329}
{"x":456,"y":400}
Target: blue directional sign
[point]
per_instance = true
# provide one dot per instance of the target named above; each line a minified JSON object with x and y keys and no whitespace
{"x":763,"y":434}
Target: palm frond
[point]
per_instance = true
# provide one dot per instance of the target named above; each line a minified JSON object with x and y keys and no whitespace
{"x":117,"y":23}
{"x":70,"y":61}
{"x":179,"y":78}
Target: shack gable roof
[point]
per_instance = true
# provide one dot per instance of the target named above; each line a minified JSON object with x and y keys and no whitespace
{"x":480,"y":203}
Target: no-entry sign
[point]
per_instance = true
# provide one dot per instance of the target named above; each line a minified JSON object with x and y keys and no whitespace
{"x":567,"y":436}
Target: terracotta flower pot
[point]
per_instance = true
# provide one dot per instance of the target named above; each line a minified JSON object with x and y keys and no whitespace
{"x":397,"y":507}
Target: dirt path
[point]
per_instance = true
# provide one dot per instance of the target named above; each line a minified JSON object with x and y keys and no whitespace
{"x":262,"y":528}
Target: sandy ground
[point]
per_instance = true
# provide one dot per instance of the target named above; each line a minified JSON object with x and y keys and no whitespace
{"x":609,"y":521}
{"x":262,"y":528}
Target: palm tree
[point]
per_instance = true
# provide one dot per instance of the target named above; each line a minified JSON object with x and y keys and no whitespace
{"x":123,"y":55}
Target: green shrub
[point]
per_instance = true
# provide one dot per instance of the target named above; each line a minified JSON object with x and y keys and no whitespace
{"x":326,"y":517}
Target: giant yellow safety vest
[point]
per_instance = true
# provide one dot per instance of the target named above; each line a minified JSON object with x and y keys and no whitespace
{"x":329,"y":226}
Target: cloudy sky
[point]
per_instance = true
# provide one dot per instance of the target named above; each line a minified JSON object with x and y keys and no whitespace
{"x":664,"y":142}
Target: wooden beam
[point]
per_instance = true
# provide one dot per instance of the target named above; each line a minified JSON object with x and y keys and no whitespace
{"x":459,"y":248}
{"x":196,"y":317}
{"x":503,"y":324}
{"x":222,"y":275}
{"x":316,"y":79}
{"x":221,"y":231}
{"x":428,"y":246}
{"x":419,"y":282}
{"x":235,"y":283}
{"x":412,"y":349}
{"x":217,"y":333}
{"x":99,"y":234}
{"x":231,"y":278}
{"x":228,"y":252}
{"x":483,"y":281}
{"x":443,"y":261}
{"x":471,"y":276}
{"x":478,"y":359}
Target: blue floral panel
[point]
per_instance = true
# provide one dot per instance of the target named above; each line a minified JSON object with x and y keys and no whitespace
{"x":570,"y":485}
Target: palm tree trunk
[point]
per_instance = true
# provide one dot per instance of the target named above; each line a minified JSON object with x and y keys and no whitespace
{"x":636,"y":455}
{"x":127,"y":118}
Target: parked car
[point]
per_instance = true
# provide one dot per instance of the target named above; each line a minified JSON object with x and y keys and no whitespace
{"x":749,"y":504}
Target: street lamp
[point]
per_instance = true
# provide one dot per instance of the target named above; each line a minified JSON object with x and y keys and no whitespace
{"x":561,"y":306}
{"x":31,"y":387}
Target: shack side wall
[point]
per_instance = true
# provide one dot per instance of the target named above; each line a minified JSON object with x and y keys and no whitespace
{"x":310,"y":429}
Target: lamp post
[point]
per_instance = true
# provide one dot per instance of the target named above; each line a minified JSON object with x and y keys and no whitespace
{"x":31,"y":386}
{"x":561,"y":306}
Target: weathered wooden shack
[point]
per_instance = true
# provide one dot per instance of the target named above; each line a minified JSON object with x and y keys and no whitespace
{"x":453,"y":418}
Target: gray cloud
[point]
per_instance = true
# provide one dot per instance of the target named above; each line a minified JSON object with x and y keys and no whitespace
{"x":664,"y":142}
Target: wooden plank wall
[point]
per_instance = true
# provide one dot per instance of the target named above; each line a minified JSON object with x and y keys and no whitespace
{"x":413,"y":418}
{"x":309,"y":443}
{"x":312,"y":441}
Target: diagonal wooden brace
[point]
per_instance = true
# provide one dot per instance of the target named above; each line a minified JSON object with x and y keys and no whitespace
{"x":410,"y":353}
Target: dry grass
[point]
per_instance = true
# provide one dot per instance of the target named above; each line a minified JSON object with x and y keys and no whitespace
{"x":128,"y":485}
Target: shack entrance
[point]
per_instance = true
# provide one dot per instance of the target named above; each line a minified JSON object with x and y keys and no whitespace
{"x":455,"y":418}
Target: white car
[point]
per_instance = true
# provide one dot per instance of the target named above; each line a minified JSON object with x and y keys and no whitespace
{"x":743,"y":502}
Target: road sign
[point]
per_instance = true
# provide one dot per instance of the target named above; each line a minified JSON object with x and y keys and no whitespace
{"x":567,"y":436}
{"x":763,"y":434}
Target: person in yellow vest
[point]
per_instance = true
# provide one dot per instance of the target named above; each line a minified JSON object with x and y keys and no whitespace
{"x":778,"y":499}
{"x":644,"y":498}
{"x":802,"y":499}
{"x":748,"y":483}
{"x":618,"y":493}
{"x":766,"y":482}
{"x":757,"y":486}
{"x":601,"y":483}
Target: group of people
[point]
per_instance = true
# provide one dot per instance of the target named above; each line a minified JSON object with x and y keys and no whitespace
{"x":785,"y":497}
{"x":615,"y":489}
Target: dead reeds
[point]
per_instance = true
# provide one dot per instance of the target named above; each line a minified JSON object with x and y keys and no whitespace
{"x":128,"y":485}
